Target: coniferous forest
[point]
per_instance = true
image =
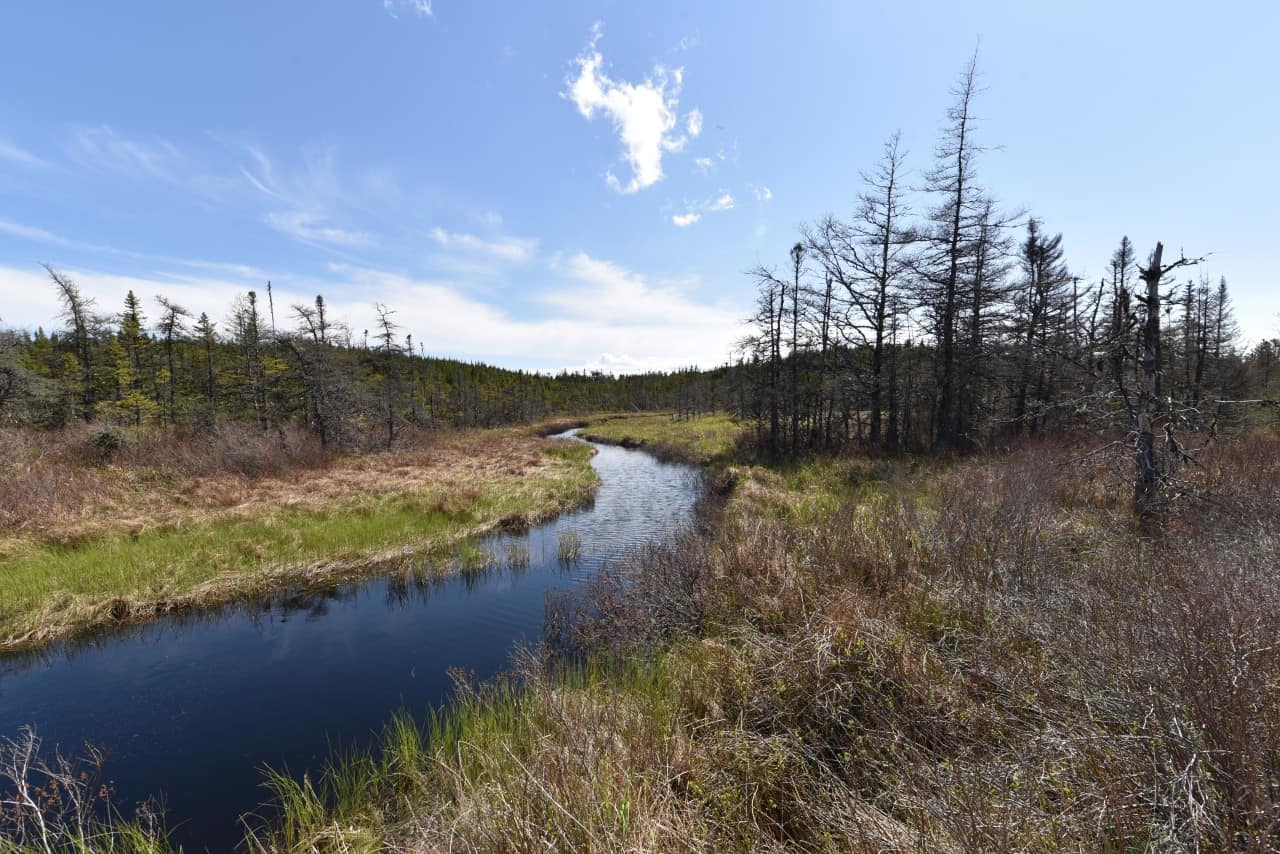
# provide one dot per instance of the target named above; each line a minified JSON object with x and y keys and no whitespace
{"x":161,"y":368}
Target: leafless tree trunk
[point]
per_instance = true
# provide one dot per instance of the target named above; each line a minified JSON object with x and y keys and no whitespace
{"x":1147,"y":475}
{"x":953,"y":182}
{"x":172,"y":326}
{"x":797,"y":263}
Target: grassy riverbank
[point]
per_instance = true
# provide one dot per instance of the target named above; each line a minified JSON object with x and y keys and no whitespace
{"x":700,"y":439}
{"x":142,"y":539}
{"x":977,"y":655}
{"x":982,"y":654}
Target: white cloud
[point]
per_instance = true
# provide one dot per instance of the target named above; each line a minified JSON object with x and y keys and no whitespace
{"x":516,"y":250}
{"x":704,"y":165}
{"x":763,"y":194}
{"x":723,"y":203}
{"x":102,"y":149}
{"x":40,"y":235}
{"x":27,"y":232}
{"x":694,"y":122}
{"x":686,"y":43}
{"x":596,"y":314}
{"x":610,"y":293}
{"x":644,"y":114}
{"x":693,"y":213}
{"x":420,"y":7}
{"x":309,"y":198}
{"x":310,"y":228}
{"x":20,"y":156}
{"x":31,"y":299}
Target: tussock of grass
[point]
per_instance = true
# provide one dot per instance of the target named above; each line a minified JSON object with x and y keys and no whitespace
{"x":700,"y":439}
{"x":568,"y":547}
{"x":360,"y":514}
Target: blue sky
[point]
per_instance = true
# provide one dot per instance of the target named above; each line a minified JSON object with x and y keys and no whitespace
{"x":548,"y":185}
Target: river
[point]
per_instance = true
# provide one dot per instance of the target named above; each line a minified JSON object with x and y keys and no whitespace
{"x":192,"y":708}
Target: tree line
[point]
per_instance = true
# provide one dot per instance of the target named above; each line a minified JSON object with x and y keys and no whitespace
{"x":162,"y":367}
{"x":933,"y":318}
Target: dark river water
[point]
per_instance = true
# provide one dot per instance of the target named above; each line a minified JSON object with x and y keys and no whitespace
{"x":192,"y":708}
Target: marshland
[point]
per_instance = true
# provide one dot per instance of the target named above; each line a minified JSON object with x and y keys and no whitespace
{"x":437,"y":426}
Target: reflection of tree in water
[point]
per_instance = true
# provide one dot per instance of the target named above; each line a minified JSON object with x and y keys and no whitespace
{"x":405,"y":581}
{"x":471,"y":564}
{"x":645,"y":500}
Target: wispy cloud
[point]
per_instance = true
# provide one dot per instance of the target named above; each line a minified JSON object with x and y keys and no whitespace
{"x":422,"y":8}
{"x":27,"y":232}
{"x":36,"y":234}
{"x":723,"y":201}
{"x":708,"y":164}
{"x":763,"y":194}
{"x":693,"y":123}
{"x":516,"y":250}
{"x":102,"y":149}
{"x":311,"y":228}
{"x":20,"y":156}
{"x":261,"y":177}
{"x":311,"y":199}
{"x":645,"y":115}
{"x":686,"y":43}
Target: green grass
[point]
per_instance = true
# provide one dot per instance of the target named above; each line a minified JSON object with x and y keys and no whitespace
{"x":50,"y":590}
{"x":119,"y":838}
{"x":701,"y":439}
{"x":485,"y":738}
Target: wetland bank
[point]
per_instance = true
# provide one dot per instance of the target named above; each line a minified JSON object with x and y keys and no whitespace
{"x":193,"y":707}
{"x":91,"y":544}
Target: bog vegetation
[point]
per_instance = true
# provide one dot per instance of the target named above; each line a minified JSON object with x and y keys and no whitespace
{"x":169,"y":524}
{"x":994,"y":569}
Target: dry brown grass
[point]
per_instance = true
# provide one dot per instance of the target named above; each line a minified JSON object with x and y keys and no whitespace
{"x":980,"y":655}
{"x":992,"y":653}
{"x":66,"y":484}
{"x":136,"y":540}
{"x":57,"y":487}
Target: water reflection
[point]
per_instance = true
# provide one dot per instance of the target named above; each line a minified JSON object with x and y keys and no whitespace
{"x":193,"y":705}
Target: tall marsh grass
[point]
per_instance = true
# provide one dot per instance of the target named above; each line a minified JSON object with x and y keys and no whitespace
{"x":979,"y":655}
{"x":51,"y":586}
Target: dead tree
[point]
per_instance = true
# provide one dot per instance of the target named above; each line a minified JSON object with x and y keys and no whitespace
{"x":948,"y":243}
{"x":1147,"y":474}
{"x":797,"y":264}
{"x":173,"y":326}
{"x":391,"y":385}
